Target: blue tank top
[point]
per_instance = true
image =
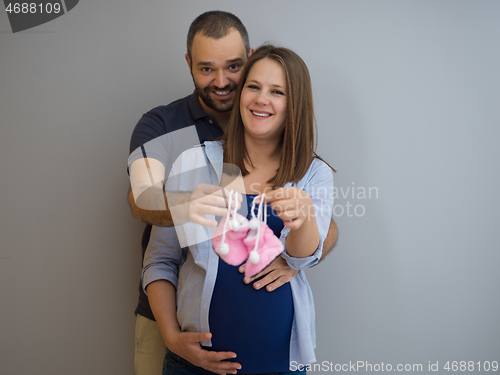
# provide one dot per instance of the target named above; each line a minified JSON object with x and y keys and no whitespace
{"x":255,"y":324}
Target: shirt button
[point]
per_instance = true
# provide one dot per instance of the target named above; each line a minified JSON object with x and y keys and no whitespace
{"x":211,"y":121}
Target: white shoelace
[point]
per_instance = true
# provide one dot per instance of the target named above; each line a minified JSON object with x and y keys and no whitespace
{"x":254,"y":255}
{"x":224,"y":247}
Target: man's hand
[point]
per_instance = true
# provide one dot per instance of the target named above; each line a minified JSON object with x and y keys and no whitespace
{"x":161,"y":295}
{"x":276,"y":274}
{"x":187,"y":346}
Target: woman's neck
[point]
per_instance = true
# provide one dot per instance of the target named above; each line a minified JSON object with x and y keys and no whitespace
{"x":265,"y":162}
{"x":262,"y":153}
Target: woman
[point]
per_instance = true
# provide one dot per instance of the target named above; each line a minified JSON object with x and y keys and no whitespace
{"x":271,"y":139}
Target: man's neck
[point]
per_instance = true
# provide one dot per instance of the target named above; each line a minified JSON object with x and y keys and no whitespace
{"x":222,"y":118}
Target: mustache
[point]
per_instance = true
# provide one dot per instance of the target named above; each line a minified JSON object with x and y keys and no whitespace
{"x":231,"y":86}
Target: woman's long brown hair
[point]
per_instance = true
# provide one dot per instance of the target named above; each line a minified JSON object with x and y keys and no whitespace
{"x":298,"y":142}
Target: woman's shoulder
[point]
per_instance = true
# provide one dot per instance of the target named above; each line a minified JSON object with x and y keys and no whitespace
{"x":319,"y":166}
{"x":318,"y":172}
{"x":317,"y":163}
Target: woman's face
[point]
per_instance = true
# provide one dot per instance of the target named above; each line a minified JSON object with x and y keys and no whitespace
{"x":263,"y":101}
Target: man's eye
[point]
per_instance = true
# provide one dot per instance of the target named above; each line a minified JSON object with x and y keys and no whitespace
{"x":234,"y":67}
{"x":206,"y":70}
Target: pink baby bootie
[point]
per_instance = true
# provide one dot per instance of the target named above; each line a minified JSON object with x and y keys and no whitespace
{"x":262,"y":244}
{"x":229,"y":235}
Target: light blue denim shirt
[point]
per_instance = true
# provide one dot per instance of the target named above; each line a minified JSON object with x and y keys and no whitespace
{"x":195,"y":280}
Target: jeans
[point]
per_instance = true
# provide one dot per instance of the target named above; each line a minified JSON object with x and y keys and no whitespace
{"x":175,"y":365}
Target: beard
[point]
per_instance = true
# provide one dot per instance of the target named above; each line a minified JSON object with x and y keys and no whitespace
{"x":214,"y":103}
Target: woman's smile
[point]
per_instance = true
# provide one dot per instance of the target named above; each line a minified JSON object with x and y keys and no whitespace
{"x":263,"y":101}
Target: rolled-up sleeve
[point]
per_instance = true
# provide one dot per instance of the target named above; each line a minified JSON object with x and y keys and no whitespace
{"x":163,"y":257}
{"x":318,"y":183}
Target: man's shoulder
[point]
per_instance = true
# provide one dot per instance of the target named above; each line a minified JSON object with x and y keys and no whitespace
{"x":178,"y":110}
{"x":162,"y":120}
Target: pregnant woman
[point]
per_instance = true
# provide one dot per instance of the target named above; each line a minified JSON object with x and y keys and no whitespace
{"x":199,"y":301}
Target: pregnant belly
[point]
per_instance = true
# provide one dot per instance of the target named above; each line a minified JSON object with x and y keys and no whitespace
{"x":255,"y":324}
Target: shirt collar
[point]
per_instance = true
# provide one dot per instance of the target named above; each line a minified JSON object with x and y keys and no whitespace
{"x":195,"y":108}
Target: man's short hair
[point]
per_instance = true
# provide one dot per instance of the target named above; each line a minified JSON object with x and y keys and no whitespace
{"x":216,"y":24}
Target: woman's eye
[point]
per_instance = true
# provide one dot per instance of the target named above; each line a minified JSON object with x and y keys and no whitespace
{"x":253,"y":87}
{"x":278,"y":92}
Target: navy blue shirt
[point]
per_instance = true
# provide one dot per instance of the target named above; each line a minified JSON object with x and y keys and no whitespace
{"x":156,"y":123}
{"x":255,"y":324}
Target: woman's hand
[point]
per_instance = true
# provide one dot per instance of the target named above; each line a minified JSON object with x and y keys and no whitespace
{"x":209,"y":200}
{"x":292,"y":205}
{"x":295,"y":207}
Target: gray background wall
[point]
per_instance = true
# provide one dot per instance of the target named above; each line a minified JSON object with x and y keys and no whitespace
{"x":407,"y":103}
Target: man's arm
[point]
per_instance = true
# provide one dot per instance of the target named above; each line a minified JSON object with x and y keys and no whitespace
{"x":150,"y":203}
{"x":160,"y":278}
{"x":146,"y":195}
{"x":161,"y":218}
{"x":330,"y":240}
{"x":161,"y":294}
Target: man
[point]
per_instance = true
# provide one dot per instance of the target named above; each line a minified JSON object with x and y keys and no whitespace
{"x":217,"y":49}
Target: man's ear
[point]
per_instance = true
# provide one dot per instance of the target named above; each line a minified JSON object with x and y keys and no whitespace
{"x":250,"y":52}
{"x":188,"y":61}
